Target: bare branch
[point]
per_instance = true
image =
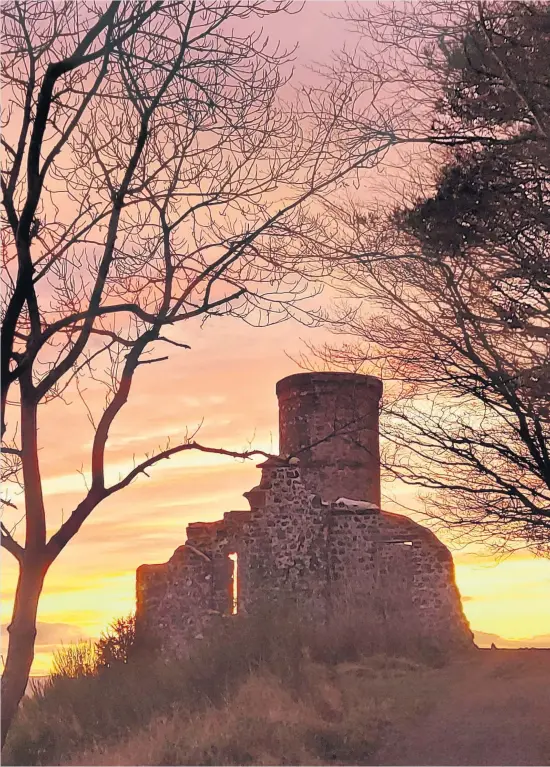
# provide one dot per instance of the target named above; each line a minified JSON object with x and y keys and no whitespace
{"x":10,"y":544}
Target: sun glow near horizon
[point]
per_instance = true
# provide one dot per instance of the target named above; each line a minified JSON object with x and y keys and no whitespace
{"x":502,"y":599}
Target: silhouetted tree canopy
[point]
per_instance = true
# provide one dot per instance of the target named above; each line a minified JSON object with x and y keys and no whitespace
{"x":461,"y":269}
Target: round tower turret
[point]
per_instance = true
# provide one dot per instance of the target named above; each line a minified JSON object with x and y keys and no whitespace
{"x":330,"y":422}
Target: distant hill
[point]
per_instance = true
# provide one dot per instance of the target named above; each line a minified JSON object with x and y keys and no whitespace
{"x":482,"y":639}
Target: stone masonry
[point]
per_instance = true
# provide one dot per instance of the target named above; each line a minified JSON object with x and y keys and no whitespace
{"x":315,"y":533}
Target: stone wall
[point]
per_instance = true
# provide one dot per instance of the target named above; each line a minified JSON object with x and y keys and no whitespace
{"x":389,"y":564}
{"x":179,"y":600}
{"x":284,"y":542}
{"x":173,"y":600}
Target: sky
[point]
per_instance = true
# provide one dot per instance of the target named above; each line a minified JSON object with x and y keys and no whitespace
{"x":226,"y":382}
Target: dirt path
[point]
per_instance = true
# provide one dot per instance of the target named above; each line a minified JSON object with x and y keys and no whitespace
{"x":496,"y":712}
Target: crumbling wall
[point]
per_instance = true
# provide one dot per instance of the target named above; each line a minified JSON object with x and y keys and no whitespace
{"x":281,"y":549}
{"x":325,"y":557}
{"x":173,"y":600}
{"x":396,"y":570}
{"x":179,"y":600}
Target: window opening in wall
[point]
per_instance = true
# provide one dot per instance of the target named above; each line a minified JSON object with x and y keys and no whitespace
{"x":234,"y":583}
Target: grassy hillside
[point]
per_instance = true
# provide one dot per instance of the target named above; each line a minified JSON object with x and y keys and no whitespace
{"x":491,"y":710}
{"x":267,"y":696}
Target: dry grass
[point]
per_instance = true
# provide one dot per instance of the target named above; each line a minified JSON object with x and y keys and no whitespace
{"x":277,"y":690}
{"x":331,"y":721}
{"x":74,"y":660}
{"x":80,"y":707}
{"x":492,"y":708}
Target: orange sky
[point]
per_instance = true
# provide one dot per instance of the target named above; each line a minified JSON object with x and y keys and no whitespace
{"x":228,"y":380}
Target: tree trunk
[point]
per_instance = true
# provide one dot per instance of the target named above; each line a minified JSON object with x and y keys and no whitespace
{"x":22,"y":635}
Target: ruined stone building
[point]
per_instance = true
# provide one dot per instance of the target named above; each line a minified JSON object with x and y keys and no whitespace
{"x":315,"y":532}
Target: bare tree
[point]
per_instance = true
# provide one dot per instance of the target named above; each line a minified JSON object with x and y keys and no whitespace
{"x":458,"y":268}
{"x":151,"y":174}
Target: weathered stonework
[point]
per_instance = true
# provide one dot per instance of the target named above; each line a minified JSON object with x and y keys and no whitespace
{"x":309,"y":535}
{"x":312,"y":407}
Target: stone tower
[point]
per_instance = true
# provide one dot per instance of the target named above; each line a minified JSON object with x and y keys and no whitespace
{"x":330,"y":422}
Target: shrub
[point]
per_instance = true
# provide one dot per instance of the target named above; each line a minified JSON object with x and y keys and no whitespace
{"x":117,"y":644}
